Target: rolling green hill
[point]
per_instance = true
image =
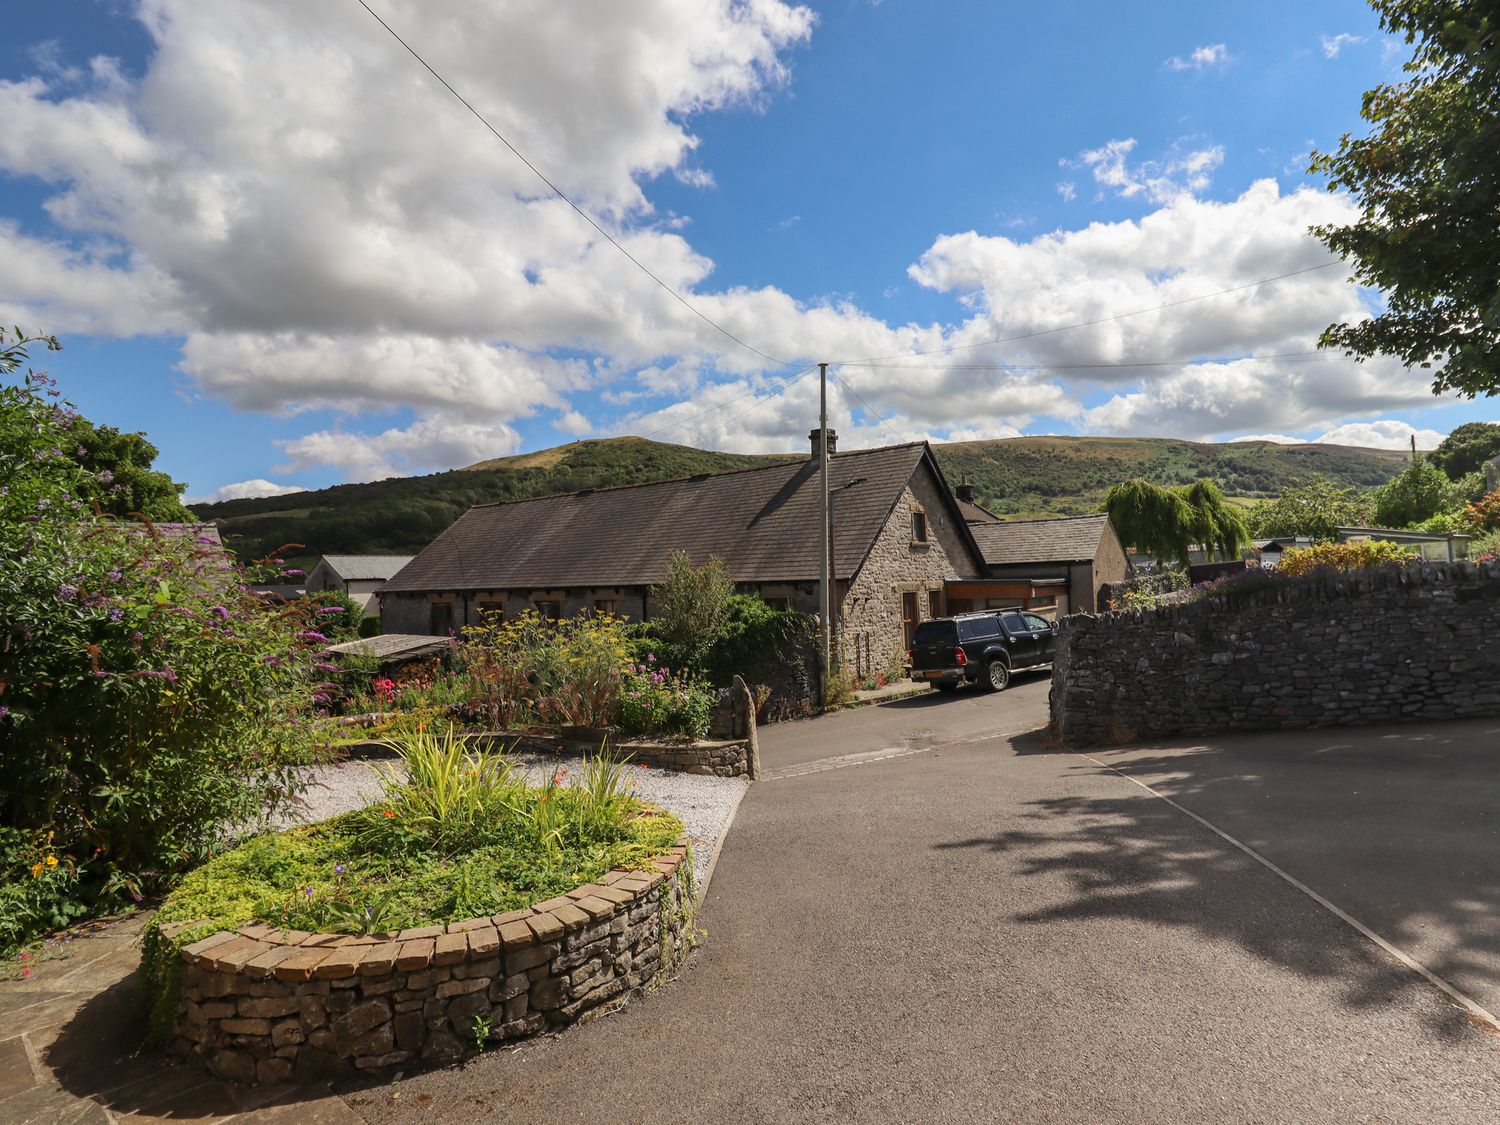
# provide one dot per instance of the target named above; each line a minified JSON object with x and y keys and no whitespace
{"x":1068,"y":476}
{"x":1030,"y":476}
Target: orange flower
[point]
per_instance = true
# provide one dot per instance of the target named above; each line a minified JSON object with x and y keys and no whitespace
{"x":388,"y":813}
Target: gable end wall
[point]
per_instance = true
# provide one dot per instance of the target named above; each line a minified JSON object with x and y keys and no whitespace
{"x":871,"y":634}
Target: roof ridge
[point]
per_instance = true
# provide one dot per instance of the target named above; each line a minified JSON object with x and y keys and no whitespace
{"x":792,"y":459}
{"x":1052,"y":519}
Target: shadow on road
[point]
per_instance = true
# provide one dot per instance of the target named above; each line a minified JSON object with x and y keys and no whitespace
{"x":969,"y":692}
{"x":1416,"y":864}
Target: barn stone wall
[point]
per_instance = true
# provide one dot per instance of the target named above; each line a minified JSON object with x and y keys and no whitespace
{"x":870,"y":630}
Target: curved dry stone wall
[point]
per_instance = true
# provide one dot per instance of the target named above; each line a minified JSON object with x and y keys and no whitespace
{"x":1398,"y":644}
{"x":270,"y":1005}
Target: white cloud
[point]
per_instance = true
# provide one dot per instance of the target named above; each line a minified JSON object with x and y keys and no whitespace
{"x":1202,"y":58}
{"x":1333,"y":44}
{"x":1179,"y":252}
{"x":1384,"y":434}
{"x":431,"y":443}
{"x":1068,"y":190}
{"x":245,"y":490}
{"x":1275,"y":439}
{"x":1181,"y":172}
{"x":1388,"y":434}
{"x":292,"y":192}
{"x":574,"y":423}
{"x":325,"y":228}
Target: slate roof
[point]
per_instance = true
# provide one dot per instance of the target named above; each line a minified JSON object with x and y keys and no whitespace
{"x":1016,"y":542}
{"x":356,"y":568}
{"x":976,"y":513}
{"x":763,"y":522}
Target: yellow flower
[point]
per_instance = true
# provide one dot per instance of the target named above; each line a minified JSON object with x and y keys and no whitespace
{"x":36,"y":870}
{"x":51,"y":861}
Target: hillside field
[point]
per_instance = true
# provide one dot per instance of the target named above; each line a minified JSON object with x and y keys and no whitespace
{"x":1028,"y":477}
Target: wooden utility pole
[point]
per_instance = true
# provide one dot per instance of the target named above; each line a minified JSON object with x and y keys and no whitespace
{"x":825,"y":577}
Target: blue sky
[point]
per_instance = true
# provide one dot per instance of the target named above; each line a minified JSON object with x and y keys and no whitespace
{"x":269,"y":240}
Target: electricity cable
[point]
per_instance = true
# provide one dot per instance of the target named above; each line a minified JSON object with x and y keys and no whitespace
{"x":848,"y":386}
{"x":786,"y":386}
{"x":683,"y":301}
{"x":1323,"y":356}
{"x":730,"y":402}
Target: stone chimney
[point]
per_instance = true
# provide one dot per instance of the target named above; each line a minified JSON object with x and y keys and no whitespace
{"x":833,"y":443}
{"x":965,"y":492}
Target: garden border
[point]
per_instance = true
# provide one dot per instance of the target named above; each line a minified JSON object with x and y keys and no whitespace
{"x":262,"y":1004}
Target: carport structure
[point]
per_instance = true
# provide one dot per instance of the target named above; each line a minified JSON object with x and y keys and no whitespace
{"x":1047,"y":596}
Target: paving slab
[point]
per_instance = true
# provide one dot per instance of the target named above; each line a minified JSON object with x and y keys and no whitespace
{"x":70,"y":1048}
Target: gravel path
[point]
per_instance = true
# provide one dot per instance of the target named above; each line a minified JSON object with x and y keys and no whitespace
{"x":705,"y":804}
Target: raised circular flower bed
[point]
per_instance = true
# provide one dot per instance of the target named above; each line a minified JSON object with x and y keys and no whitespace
{"x":261,"y":1004}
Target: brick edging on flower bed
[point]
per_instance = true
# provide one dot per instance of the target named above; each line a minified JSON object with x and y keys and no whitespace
{"x":267,"y":1005}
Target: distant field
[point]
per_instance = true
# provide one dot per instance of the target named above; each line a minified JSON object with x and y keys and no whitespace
{"x":1025,"y":477}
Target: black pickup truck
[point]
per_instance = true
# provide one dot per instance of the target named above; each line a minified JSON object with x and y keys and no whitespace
{"x":980,"y":648}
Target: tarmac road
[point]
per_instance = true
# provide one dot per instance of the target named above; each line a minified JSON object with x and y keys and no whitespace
{"x":990,"y":931}
{"x":918,"y":722}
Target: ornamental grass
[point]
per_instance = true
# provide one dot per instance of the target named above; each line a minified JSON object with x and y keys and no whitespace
{"x":455,"y":834}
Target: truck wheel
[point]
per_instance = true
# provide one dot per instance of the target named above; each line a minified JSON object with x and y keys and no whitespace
{"x":997,"y":675}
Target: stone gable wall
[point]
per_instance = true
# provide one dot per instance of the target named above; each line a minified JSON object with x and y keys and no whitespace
{"x":269,"y":1005}
{"x":870,"y":629}
{"x":1398,"y":644}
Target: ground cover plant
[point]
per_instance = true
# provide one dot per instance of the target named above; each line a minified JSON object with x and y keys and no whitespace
{"x":455,"y":834}
{"x":147,"y":699}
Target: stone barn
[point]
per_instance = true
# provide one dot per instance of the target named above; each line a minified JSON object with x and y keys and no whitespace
{"x":898,"y":536}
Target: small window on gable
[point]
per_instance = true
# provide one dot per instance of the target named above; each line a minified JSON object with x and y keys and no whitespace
{"x":918,"y":525}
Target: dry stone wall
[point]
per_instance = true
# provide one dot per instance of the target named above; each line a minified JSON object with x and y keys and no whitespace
{"x":1266,"y":651}
{"x":268,"y":1005}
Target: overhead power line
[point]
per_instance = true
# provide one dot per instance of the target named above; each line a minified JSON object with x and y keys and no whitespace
{"x":779,"y":391}
{"x":678,"y":297}
{"x":1089,"y":323}
{"x":1278,"y":356}
{"x":848,"y":386}
{"x":785,"y":383}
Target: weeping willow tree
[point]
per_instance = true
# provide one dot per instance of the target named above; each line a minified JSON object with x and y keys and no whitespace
{"x":1166,"y":523}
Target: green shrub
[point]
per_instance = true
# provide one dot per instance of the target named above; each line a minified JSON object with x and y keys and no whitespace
{"x":530,"y":669}
{"x":1419,"y":493}
{"x":1359,"y":554}
{"x":756,"y":641}
{"x":38,"y":888}
{"x":147,"y":698}
{"x":1485,"y":547}
{"x":1144,"y":589}
{"x":343,"y":625}
{"x":689,"y":608}
{"x":657,"y":700}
